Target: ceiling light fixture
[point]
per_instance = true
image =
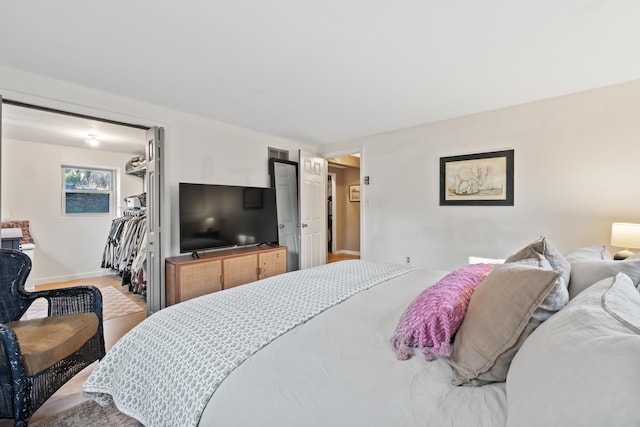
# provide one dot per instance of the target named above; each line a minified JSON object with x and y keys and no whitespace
{"x":92,"y":141}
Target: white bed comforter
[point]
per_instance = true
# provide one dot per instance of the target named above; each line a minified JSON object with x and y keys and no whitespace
{"x":166,"y":369}
{"x":339,"y":370}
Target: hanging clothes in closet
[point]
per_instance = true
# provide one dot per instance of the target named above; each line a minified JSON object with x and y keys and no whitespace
{"x":126,"y":249}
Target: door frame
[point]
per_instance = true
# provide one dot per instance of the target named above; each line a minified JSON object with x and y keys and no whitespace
{"x":1,"y":209}
{"x":334,"y":217}
{"x":364,"y":197}
{"x":65,"y":107}
{"x":156,"y":228}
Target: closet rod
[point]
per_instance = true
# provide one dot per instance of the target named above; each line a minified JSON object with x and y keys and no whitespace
{"x":68,"y":113}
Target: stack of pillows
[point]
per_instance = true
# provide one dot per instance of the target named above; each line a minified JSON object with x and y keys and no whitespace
{"x":24,"y":226}
{"x":487,"y":311}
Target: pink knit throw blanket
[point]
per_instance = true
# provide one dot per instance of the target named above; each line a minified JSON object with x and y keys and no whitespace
{"x":435,"y":315}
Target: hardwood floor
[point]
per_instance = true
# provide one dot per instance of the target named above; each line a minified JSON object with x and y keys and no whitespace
{"x":340,"y":257}
{"x":69,"y":394}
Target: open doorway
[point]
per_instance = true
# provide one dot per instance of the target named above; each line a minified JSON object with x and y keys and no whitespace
{"x":44,"y":152}
{"x":343,"y":208}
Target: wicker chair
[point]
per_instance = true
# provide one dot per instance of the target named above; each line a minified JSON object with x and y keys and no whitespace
{"x":37,"y":356}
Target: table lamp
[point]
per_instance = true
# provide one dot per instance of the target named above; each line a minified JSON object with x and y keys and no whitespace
{"x":625,"y":235}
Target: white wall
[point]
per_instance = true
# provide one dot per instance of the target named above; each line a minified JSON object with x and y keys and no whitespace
{"x":197,"y":149}
{"x":216,"y":153}
{"x":575,"y":168}
{"x":67,"y":248}
{"x":576,"y":172}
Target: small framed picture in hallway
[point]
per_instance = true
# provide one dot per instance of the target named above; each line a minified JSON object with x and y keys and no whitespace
{"x":354,"y":193}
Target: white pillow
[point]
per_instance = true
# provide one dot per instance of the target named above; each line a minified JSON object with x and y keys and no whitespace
{"x":581,"y":366}
{"x":481,"y":260}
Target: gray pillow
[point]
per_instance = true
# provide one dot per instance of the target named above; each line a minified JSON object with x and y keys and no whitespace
{"x":580,"y":368}
{"x":586,"y":273}
{"x":589,"y":253}
{"x":544,"y":248}
{"x":547,"y":254}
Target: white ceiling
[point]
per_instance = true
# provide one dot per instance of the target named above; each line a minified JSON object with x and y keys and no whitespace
{"x":26,"y":124}
{"x":325,"y":71}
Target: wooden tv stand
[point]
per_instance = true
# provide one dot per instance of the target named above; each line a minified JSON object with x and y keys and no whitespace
{"x":188,"y":277}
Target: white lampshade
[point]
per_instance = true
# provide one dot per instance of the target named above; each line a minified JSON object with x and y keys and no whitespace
{"x":625,"y":235}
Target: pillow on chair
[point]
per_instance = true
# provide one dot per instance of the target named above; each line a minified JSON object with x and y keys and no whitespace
{"x":24,"y":226}
{"x":46,"y":341}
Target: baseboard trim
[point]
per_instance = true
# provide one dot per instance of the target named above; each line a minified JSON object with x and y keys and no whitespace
{"x":346,"y":252}
{"x":56,"y":279}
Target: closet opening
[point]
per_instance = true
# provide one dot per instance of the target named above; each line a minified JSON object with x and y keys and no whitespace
{"x":47,"y":162}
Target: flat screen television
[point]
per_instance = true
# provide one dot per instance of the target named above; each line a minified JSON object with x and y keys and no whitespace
{"x":221,"y":216}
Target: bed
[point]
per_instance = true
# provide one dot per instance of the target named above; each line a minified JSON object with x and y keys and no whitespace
{"x":315,"y":348}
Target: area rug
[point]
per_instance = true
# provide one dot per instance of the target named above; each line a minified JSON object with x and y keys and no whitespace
{"x":88,"y":414}
{"x":114,"y":304}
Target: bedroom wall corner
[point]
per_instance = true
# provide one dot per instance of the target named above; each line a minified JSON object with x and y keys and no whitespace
{"x":575,"y":174}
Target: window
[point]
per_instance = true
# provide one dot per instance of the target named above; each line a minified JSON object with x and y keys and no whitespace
{"x":87,"y":191}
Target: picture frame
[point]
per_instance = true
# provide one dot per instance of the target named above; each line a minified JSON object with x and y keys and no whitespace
{"x":354,"y":193}
{"x":483,"y":179}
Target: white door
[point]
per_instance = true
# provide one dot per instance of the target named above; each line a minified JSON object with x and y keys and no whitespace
{"x":313,"y":210}
{"x":286,"y":184}
{"x":1,"y":210}
{"x":154,"y":184}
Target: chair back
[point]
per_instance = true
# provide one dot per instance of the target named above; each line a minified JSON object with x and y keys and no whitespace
{"x":15,"y":266}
